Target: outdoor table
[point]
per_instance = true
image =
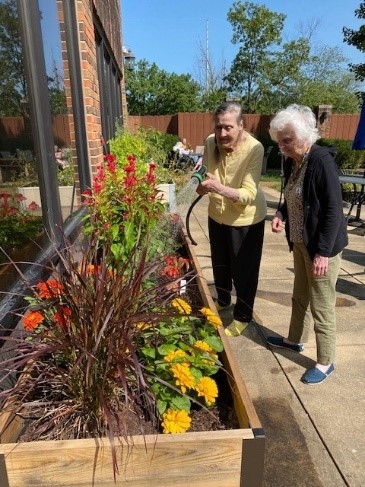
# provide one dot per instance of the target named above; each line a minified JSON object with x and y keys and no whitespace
{"x":358,"y":197}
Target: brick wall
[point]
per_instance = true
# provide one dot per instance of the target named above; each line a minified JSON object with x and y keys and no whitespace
{"x":107,"y":13}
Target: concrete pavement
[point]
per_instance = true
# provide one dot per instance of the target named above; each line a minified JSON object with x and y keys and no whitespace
{"x":315,"y":435}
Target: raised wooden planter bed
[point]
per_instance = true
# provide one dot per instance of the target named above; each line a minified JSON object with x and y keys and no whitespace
{"x":229,"y":458}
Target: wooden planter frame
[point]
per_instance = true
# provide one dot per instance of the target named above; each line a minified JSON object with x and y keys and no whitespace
{"x":229,"y":458}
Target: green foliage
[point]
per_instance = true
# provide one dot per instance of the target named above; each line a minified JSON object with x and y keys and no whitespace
{"x":146,"y":145}
{"x":267,"y":75}
{"x":346,"y":157}
{"x":124,"y":208}
{"x":18,"y":226}
{"x":152,"y":91}
{"x":186,"y":352}
{"x":357,"y":38}
{"x":66,"y":176}
{"x":257,"y":30}
{"x":12,"y":76}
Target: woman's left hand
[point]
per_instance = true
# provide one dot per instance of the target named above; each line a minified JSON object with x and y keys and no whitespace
{"x":319,"y":265}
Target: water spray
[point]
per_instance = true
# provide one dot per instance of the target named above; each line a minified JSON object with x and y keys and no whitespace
{"x":197,"y":177}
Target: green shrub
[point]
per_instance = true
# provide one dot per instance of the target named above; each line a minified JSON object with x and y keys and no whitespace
{"x":346,"y":157}
{"x":146,"y":145}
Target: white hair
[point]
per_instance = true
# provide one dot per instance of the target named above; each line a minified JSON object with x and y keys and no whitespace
{"x":300,"y":118}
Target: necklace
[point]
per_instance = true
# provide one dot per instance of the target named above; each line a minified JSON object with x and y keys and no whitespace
{"x":297,"y":170}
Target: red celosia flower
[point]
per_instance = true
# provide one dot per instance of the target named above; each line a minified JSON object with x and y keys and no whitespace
{"x":19,"y":197}
{"x":110,"y":162}
{"x":130,"y":181}
{"x":33,"y":206}
{"x":97,"y":187}
{"x":32,"y":320}
{"x":50,"y":289}
{"x":151,"y":172}
{"x":10,"y":211}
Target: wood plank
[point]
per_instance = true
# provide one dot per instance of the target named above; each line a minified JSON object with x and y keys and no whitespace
{"x":244,"y":407}
{"x":197,"y":457}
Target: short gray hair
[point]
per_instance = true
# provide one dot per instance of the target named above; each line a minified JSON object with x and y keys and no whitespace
{"x":229,"y":106}
{"x":300,"y":118}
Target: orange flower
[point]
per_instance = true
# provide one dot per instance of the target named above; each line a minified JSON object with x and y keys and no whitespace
{"x":50,"y":289}
{"x":32,"y":320}
{"x":62,"y":316}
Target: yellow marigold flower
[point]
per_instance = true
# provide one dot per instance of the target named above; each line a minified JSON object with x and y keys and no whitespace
{"x":175,"y":421}
{"x":205,"y":347}
{"x":32,"y":320}
{"x":208,"y":389}
{"x":175,"y":356}
{"x":182,"y":306}
{"x":183,"y":377}
{"x":213,"y":318}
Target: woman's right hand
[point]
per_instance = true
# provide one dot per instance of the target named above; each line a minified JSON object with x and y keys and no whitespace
{"x":277,"y":224}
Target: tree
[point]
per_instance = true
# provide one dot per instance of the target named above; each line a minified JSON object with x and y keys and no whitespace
{"x":211,"y":78}
{"x":357,"y":38}
{"x":257,"y":30}
{"x":326,"y":81}
{"x":267,"y":75}
{"x":153,"y":91}
{"x":281,"y":78}
{"x":12,"y":76}
{"x":56,"y":89}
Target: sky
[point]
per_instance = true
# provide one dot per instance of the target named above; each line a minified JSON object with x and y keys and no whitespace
{"x":169,"y":32}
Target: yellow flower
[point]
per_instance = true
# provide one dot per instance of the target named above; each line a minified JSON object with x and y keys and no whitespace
{"x":207,"y":388}
{"x":175,"y":356}
{"x":183,"y":377}
{"x":175,"y":421}
{"x":205,"y":347}
{"x":213,"y":318}
{"x":182,"y":306}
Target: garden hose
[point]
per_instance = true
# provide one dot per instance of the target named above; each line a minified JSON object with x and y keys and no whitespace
{"x":199,"y":176}
{"x":188,"y":216}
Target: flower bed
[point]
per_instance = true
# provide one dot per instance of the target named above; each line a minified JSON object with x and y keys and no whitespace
{"x":221,"y":458}
{"x":101,"y":342}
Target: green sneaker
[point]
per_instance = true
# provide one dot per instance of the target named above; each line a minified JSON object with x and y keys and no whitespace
{"x":235,"y":328}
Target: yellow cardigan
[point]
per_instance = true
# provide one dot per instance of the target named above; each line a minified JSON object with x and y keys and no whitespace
{"x":240,"y":169}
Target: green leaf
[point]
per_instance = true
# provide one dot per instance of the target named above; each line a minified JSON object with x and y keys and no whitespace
{"x":166,"y":348}
{"x":215,"y":342}
{"x":181,"y":402}
{"x":161,"y":406}
{"x":149,"y":352}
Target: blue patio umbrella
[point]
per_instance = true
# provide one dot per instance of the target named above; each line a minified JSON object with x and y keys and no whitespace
{"x":359,"y":141}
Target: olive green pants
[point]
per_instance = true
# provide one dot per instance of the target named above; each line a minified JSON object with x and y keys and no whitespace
{"x":317,"y":294}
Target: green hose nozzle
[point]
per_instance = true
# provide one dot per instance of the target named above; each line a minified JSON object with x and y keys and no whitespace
{"x":200,"y":174}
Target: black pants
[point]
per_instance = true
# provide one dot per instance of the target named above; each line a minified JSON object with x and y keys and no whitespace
{"x":236,"y":256}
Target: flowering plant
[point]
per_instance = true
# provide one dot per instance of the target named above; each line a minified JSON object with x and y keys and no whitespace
{"x":180,"y":355}
{"x":106,"y":338}
{"x":18,"y":225}
{"x":124,"y":206}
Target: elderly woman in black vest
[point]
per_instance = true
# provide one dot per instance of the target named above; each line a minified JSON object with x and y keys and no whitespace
{"x":315,"y":227}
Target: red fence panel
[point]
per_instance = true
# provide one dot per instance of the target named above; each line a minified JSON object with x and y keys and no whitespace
{"x":343,"y":126}
{"x":17,"y":131}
